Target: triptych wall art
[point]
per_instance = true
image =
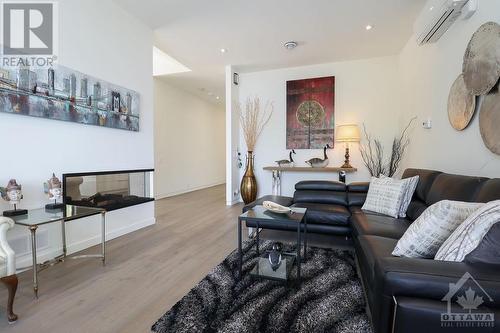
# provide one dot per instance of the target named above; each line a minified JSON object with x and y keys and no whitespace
{"x":310,"y":114}
{"x":60,"y":93}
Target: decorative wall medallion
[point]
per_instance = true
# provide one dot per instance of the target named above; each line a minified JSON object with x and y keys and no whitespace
{"x":489,"y":121}
{"x":461,"y":104}
{"x":310,"y":113}
{"x":481,"y":67}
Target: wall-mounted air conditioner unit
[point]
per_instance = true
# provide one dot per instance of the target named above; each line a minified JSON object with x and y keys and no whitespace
{"x":438,"y":15}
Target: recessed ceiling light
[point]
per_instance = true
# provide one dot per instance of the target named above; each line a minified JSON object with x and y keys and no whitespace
{"x":217,"y":97}
{"x":223,"y":50}
{"x":368,"y":27}
{"x":290,"y":45}
{"x":432,"y":8}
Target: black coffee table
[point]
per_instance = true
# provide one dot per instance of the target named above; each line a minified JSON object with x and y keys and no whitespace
{"x":264,"y":219}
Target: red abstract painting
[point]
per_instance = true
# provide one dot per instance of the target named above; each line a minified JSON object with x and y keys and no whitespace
{"x":310,"y":114}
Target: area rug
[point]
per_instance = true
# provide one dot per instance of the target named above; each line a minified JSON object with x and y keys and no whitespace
{"x":329,"y":299}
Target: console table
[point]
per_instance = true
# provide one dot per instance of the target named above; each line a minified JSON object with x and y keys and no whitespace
{"x":41,"y":216}
{"x":277,"y":171}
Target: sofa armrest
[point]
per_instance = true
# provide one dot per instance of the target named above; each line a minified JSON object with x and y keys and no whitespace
{"x":281,"y":200}
{"x":6,"y":251}
{"x":431,"y":279}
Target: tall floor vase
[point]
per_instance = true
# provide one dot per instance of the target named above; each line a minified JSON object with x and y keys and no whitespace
{"x":248,"y":186}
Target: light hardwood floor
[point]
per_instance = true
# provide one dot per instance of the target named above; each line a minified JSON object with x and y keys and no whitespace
{"x":146,"y":273}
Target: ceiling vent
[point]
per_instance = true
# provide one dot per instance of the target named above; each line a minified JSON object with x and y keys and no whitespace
{"x":437,"y":17}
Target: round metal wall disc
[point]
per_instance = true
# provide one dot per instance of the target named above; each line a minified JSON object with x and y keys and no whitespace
{"x":461,"y":104}
{"x":481,"y":67}
{"x":489,"y":121}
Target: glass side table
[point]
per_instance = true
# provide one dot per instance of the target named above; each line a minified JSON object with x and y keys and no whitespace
{"x":41,"y":216}
{"x":265,"y":219}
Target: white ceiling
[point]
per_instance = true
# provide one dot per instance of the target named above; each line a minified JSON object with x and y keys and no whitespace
{"x":253,"y":32}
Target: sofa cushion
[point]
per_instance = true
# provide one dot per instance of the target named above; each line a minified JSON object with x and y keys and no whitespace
{"x":415,"y":209}
{"x":488,"y":251}
{"x":318,"y":213}
{"x":358,"y":187}
{"x":322,"y":197}
{"x":369,"y":249}
{"x":378,"y":225}
{"x":426,"y":179}
{"x":489,"y":191}
{"x":454,"y":187}
{"x":320,"y":185}
{"x":356,"y":198}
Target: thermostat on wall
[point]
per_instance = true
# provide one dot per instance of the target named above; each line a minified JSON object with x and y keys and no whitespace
{"x":427,"y":124}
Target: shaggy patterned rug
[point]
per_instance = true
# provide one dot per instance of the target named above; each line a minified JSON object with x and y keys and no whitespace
{"x":330,"y":298}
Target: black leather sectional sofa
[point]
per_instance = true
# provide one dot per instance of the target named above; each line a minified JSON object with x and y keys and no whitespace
{"x":403,"y":294}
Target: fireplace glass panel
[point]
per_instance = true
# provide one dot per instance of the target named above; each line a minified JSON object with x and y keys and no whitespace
{"x":110,"y":191}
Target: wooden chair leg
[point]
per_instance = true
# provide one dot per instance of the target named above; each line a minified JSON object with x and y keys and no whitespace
{"x":11,"y":284}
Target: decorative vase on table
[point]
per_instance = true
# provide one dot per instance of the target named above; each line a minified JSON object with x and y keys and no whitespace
{"x":248,"y":186}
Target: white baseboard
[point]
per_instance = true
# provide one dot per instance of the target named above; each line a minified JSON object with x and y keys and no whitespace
{"x":24,"y":262}
{"x":232,"y":203}
{"x":187,"y":190}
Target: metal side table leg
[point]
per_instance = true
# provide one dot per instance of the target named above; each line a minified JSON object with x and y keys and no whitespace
{"x":299,"y":260}
{"x":258,"y":239}
{"x":35,"y":265}
{"x":63,"y":230}
{"x":103,"y":237}
{"x":240,"y":252}
{"x":305,"y":239}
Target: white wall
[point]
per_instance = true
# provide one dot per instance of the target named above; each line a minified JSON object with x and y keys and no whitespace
{"x":98,"y":38}
{"x":427,"y":73}
{"x":189,"y":141}
{"x":366,"y":91}
{"x":232,"y":138}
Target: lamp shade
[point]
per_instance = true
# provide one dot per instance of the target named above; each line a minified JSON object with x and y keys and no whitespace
{"x":348,"y":133}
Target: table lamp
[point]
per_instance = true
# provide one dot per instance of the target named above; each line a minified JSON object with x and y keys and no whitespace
{"x":347,"y":133}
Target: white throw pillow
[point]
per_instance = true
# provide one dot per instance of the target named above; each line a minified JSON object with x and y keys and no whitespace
{"x":469,"y":234}
{"x":411,"y":185}
{"x":385,"y":196}
{"x":424,"y":236}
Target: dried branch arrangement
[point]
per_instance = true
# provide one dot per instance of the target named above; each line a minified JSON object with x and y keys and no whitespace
{"x":372,"y":152}
{"x":253,"y":119}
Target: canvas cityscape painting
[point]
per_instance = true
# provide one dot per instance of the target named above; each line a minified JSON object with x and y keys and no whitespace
{"x":60,"y":93}
{"x":310,"y":115}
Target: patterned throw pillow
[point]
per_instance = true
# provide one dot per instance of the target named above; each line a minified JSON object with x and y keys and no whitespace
{"x":385,"y":196}
{"x":424,"y":236}
{"x":470,"y":233}
{"x":411,"y":185}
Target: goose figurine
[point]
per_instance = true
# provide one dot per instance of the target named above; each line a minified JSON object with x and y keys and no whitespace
{"x":287,"y":163}
{"x":318,"y":162}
